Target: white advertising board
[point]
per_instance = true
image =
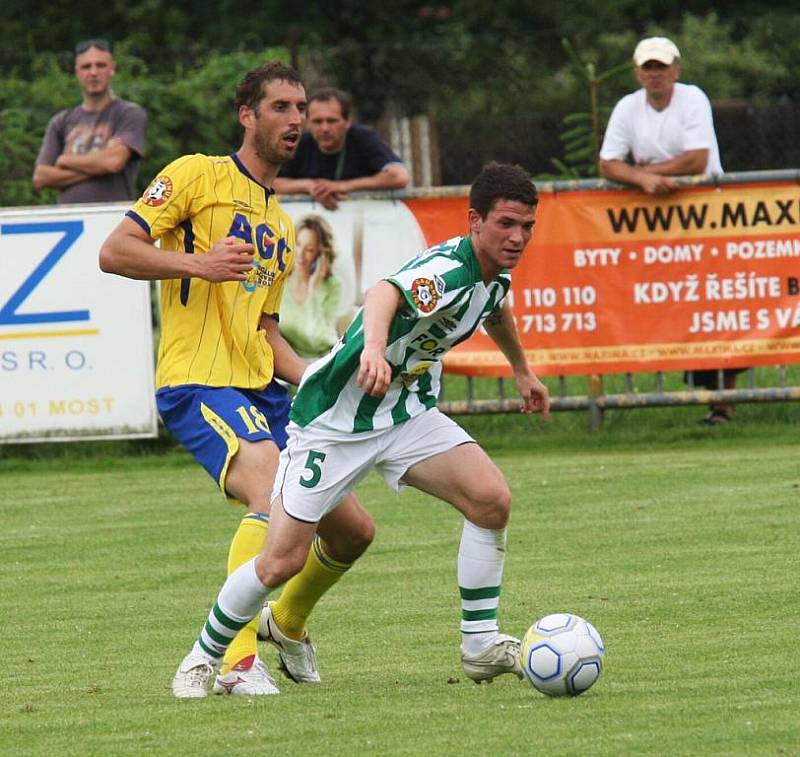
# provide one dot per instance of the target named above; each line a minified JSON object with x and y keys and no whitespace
{"x":373,"y":238}
{"x":76,"y":344}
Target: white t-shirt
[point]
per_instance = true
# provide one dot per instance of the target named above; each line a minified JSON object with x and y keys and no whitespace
{"x":653,"y":136}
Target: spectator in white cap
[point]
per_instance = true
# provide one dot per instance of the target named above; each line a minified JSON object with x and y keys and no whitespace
{"x":665,"y":129}
{"x":662,"y":130}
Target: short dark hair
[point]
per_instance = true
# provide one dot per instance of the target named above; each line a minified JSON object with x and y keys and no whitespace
{"x":86,"y":44}
{"x":250,"y":90}
{"x":501,"y":181}
{"x":345,"y":99}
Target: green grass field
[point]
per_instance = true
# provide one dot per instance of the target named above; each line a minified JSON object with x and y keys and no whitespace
{"x":680,"y":545}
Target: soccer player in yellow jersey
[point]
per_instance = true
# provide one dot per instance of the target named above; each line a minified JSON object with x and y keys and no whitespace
{"x":225,"y":250}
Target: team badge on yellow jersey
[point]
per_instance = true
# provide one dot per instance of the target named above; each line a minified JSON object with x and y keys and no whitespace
{"x":159,"y":191}
{"x":214,"y":336}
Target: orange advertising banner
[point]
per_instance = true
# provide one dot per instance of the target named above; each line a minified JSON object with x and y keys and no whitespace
{"x":616,"y":281}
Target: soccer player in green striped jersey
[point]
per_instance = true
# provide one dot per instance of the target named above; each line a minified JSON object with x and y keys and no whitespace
{"x":371,"y":404}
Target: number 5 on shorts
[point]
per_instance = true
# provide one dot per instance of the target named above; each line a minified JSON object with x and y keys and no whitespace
{"x":312,"y":465}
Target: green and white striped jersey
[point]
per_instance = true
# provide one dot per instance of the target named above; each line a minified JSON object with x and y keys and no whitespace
{"x":446,"y":300}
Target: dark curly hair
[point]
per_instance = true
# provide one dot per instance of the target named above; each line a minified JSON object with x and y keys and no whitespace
{"x":501,"y":181}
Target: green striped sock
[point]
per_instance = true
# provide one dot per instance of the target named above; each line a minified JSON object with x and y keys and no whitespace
{"x":239,"y":601}
{"x":481,"y":557}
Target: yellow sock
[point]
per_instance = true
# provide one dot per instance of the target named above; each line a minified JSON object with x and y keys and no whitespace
{"x":303,"y":591}
{"x":247,"y":543}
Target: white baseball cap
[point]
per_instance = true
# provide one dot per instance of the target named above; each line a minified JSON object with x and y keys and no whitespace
{"x":656,"y":48}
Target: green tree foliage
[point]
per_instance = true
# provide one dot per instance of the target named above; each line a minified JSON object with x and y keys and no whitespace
{"x":190,"y":110}
{"x":26,"y":106}
{"x":711,"y":56}
{"x":584,"y":130}
{"x":164,"y":34}
{"x":494,"y":76}
{"x":777,"y":34}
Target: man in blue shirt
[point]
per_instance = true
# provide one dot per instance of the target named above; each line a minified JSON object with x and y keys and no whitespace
{"x":336,"y":156}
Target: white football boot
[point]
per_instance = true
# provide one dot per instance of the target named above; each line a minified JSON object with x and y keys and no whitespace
{"x":248,"y":678}
{"x":501,"y":656}
{"x":298,"y":658}
{"x":191,"y":679}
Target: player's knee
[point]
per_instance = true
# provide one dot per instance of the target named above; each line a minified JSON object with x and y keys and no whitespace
{"x":361,"y":538}
{"x":274,"y":571}
{"x":491,"y":506}
{"x":258,"y":504}
{"x":493,"y":518}
{"x":348,"y":546}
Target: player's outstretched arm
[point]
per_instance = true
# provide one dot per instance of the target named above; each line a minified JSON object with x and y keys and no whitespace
{"x":380,"y":305}
{"x":503,"y":332}
{"x":129,"y":251}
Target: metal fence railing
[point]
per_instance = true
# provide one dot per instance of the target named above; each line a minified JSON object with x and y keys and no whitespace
{"x":776,"y":385}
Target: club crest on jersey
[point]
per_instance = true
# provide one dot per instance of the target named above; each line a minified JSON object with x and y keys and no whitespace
{"x":425,"y":294}
{"x":159,"y":191}
{"x":409,"y":378}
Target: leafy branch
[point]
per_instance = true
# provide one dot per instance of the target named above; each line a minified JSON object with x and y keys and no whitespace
{"x":581,"y":137}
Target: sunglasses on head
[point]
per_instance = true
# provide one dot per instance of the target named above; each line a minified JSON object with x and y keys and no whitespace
{"x":100,"y":44}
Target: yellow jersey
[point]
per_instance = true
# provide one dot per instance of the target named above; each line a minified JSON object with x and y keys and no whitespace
{"x":210,"y":331}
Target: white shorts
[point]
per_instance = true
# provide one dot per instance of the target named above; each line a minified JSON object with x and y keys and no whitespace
{"x":317,"y":468}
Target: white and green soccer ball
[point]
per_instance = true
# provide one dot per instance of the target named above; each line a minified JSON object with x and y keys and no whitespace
{"x":562,"y":655}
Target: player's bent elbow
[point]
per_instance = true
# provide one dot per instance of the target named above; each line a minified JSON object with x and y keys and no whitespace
{"x":107,"y":258}
{"x":104,"y":260}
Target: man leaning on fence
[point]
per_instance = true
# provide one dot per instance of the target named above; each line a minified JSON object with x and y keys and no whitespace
{"x":337,"y":156}
{"x":663,"y":130}
{"x":666,"y":127}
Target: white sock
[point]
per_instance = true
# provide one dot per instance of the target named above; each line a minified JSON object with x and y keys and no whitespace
{"x":481,"y":556}
{"x":238,"y":602}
